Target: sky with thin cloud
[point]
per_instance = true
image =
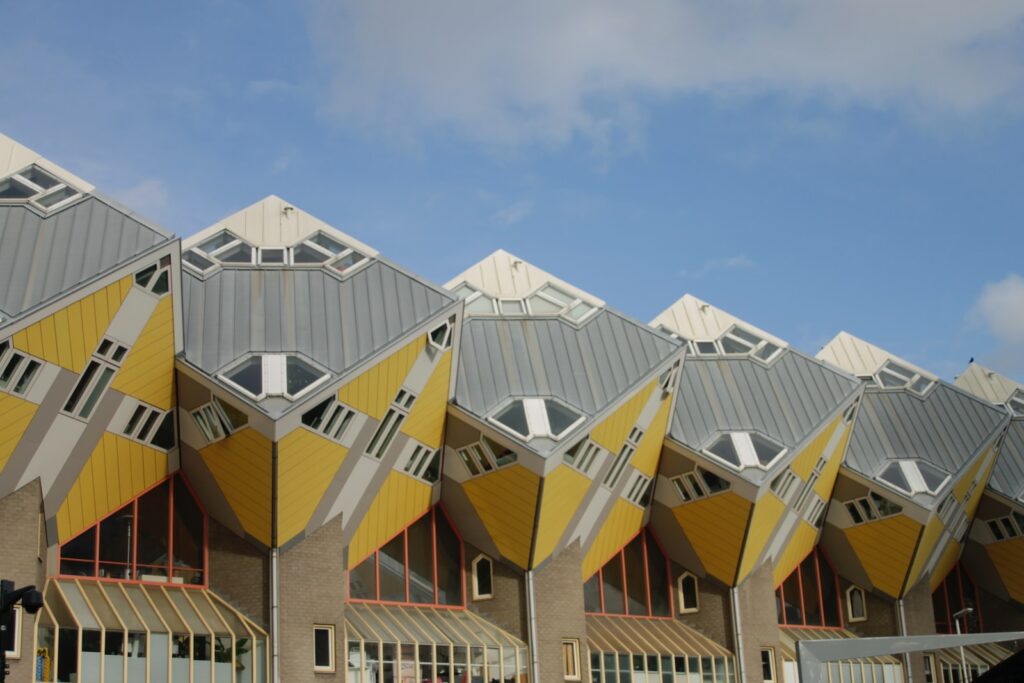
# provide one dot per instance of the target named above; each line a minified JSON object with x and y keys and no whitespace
{"x":808,"y":166}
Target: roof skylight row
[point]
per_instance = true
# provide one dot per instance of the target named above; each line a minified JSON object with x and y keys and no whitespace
{"x":228,"y":249}
{"x":734,"y":342}
{"x":37,"y":187}
{"x":914,"y":476}
{"x":740,"y":450}
{"x":532,"y":417}
{"x":273,"y":374}
{"x":893,"y":375}
{"x":1016,"y":403}
{"x":548,"y":300}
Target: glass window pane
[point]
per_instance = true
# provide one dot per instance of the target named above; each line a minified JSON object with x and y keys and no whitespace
{"x":347,"y":261}
{"x":240,"y":253}
{"x":560,"y":417}
{"x":304,"y":253}
{"x":502,"y":455}
{"x":658,"y":579}
{"x":894,"y":475}
{"x":481,"y":304}
{"x":765,"y":449}
{"x":421,"y":561}
{"x":933,"y":476}
{"x":449,"y":558}
{"x":11,"y":188}
{"x":153,"y":528}
{"x":580,"y":310}
{"x":829,"y":593}
{"x":57,"y":196}
{"x":196,"y":259}
{"x":362,"y":580}
{"x":791,"y":593}
{"x":714,"y":482}
{"x":219,"y":240}
{"x":812,"y":605}
{"x":557,"y":294}
{"x":724,"y":448}
{"x":611,"y":575}
{"x":77,"y":556}
{"x":322,"y":648}
{"x":636,"y":579}
{"x":592,"y":594}
{"x":331,"y":245}
{"x":513,"y":416}
{"x":300,"y":374}
{"x":734,"y":346}
{"x":541,"y":306}
{"x":116,"y":533}
{"x":248,"y":374}
{"x":188,"y":536}
{"x":392,"y":570}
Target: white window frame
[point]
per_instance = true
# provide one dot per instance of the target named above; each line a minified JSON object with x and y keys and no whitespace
{"x":668,"y":379}
{"x":771,"y":665}
{"x":274,"y":372}
{"x":213,"y":256}
{"x":574,"y":301}
{"x":90,"y":386}
{"x":693,"y":483}
{"x":331,"y":654}
{"x":1016,"y":403}
{"x":815,"y":515}
{"x":391,"y":424}
{"x":537,"y":422}
{"x":18,"y":616}
{"x":334,"y":421}
{"x":638,"y":488}
{"x":446,"y":336}
{"x":913,"y":476}
{"x":744,"y":447}
{"x":576,"y":674}
{"x":260,"y":251}
{"x":419,"y":461}
{"x":683,"y":608}
{"x":787,"y":486}
{"x":160,"y":267}
{"x":912,"y":378}
{"x":849,"y":604}
{"x":587,"y":453}
{"x":473,"y":296}
{"x":135,"y":429}
{"x":477,"y":595}
{"x":41,"y":192}
{"x":212,"y":415}
{"x":26,"y":365}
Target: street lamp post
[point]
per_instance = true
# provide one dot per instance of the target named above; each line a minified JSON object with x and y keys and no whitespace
{"x":963,"y":660}
{"x":31,"y":600}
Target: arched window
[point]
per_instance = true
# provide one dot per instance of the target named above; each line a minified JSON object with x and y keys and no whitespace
{"x":160,"y":536}
{"x":689,"y":595}
{"x":483,"y":578}
{"x":856,"y":604}
{"x":810,"y":595}
{"x":422,"y":565}
{"x":634,"y":582}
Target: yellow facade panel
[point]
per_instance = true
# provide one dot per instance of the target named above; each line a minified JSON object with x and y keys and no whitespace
{"x":426,"y":419}
{"x":764,"y":522}
{"x":614,"y":429}
{"x":945,"y":564}
{"x":506,"y":502}
{"x":827,"y":481}
{"x":241,"y":465}
{"x":118,"y":470}
{"x":648,"y":451}
{"x":803,"y":464}
{"x":715,"y":527}
{"x":306,"y":466}
{"x":1008,"y":558}
{"x":148,"y":371}
{"x":16,"y":415}
{"x":623,"y":523}
{"x":563,"y":492}
{"x":885,"y":549}
{"x":400,"y":501}
{"x":802,"y":542}
{"x":374,"y":390}
{"x":68,"y":337}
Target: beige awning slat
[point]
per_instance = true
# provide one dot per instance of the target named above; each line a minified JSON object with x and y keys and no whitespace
{"x":637,"y":635}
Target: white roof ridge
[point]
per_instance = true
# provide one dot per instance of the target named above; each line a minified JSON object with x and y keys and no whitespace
{"x":504,"y":275}
{"x":696,"y":319}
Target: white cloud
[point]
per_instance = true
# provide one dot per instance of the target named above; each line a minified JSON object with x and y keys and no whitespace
{"x":1000,"y":310}
{"x":711,"y":265}
{"x":514,"y":213}
{"x":511,"y":72}
{"x":148,"y":198}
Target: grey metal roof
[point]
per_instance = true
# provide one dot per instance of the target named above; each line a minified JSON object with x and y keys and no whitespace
{"x":588,"y":368}
{"x":44,"y":257}
{"x":337,"y":323}
{"x":1008,"y":474}
{"x":786,"y":400}
{"x":945,"y":428}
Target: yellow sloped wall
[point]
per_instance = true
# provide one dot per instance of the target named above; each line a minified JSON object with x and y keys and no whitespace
{"x":148,"y":371}
{"x":374,"y":390}
{"x":16,"y":415}
{"x":506,"y":502}
{"x":306,"y":465}
{"x":649,"y":449}
{"x":118,"y":470}
{"x":829,"y":475}
{"x":945,"y":564}
{"x":68,"y":337}
{"x":800,"y":545}
{"x":612,"y":432}
{"x":804,"y":463}
{"x":564,"y":490}
{"x":885,"y":548}
{"x":400,"y":501}
{"x":764,"y":521}
{"x":241,"y":465}
{"x":1008,"y":558}
{"x":715,"y":528}
{"x":623,"y":523}
{"x":426,"y":419}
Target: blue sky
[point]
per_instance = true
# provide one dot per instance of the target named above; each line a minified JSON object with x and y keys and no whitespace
{"x":807,"y":166}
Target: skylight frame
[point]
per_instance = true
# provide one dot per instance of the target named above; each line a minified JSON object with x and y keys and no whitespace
{"x":1015,"y":404}
{"x":470,"y":294}
{"x":765,"y":351}
{"x":912,"y":378}
{"x":537,"y":423}
{"x":745,"y":451}
{"x":39,"y":191}
{"x":913,"y":476}
{"x":274,"y":375}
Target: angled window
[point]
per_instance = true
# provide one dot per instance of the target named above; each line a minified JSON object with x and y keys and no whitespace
{"x":552,"y":300}
{"x":1016,"y":403}
{"x":582,"y":455}
{"x":440,"y":337}
{"x":893,"y":375}
{"x":856,"y":604}
{"x":624,"y":456}
{"x":485,"y":456}
{"x":156,"y":278}
{"x":483,"y":578}
{"x":10,"y":639}
{"x":159,"y":537}
{"x":809,"y":596}
{"x":323,"y":648}
{"x":218,"y":419}
{"x":785,"y":485}
{"x":273,"y":374}
{"x":151,"y":426}
{"x":688,"y":593}
{"x":389,"y":425}
{"x":699,"y":483}
{"x":532,"y":417}
{"x":634,"y":582}
{"x":329,"y":417}
{"x":745,"y":449}
{"x":424,"y":463}
{"x":477,"y":303}
{"x":223,"y":247}
{"x":871,"y":507}
{"x":17,"y":370}
{"x":639,"y":491}
{"x":40,"y":188}
{"x":706,"y":348}
{"x":95,"y":379}
{"x":667,"y":380}
{"x":914,"y":476}
{"x":768,"y":665}
{"x":1010,"y":526}
{"x":420,"y":566}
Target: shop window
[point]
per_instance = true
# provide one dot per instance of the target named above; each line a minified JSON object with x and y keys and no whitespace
{"x":571,"y":659}
{"x":634,"y":582}
{"x":810,"y":594}
{"x":323,"y":648}
{"x":419,"y":566}
{"x":856,"y":604}
{"x":768,"y":665}
{"x":957,"y":593}
{"x":689,"y":594}
{"x":483,"y":578}
{"x":159,"y":536}
{"x":625,"y":666}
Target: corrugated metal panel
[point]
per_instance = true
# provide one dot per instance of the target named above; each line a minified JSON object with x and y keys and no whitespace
{"x":41,"y":258}
{"x":946,"y":428}
{"x":1008,"y":475}
{"x":336,"y":323}
{"x":787,"y":400}
{"x":589,"y":368}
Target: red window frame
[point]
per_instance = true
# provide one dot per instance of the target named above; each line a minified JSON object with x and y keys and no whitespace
{"x":959,"y":575}
{"x":134,"y":565}
{"x":780,"y":593}
{"x":439,"y":508}
{"x":620,"y":554}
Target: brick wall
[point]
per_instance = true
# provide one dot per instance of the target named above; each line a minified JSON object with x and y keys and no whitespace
{"x":507,"y":609}
{"x":559,"y":602}
{"x":758,"y":621}
{"x":22,"y":561}
{"x":714,"y":619}
{"x":920,"y":620}
{"x":239,"y":573}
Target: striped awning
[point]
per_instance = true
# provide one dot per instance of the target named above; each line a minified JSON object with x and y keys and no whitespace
{"x":791,"y":635}
{"x":655,"y":636}
{"x":402,"y":624}
{"x":987,"y":655}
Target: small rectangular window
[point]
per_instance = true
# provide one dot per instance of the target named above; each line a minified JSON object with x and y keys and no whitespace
{"x":11,"y":638}
{"x":768,"y":665}
{"x":571,"y":659}
{"x":323,"y":648}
